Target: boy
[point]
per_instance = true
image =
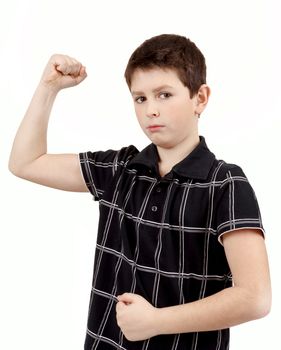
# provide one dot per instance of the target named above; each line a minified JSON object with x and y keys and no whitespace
{"x":180,"y":253}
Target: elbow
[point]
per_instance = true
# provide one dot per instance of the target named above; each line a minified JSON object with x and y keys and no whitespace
{"x":13,"y":169}
{"x":260,"y":306}
{"x":16,"y":171}
{"x":264,"y":308}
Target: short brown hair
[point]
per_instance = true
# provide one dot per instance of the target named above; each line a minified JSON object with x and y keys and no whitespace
{"x":170,"y":51}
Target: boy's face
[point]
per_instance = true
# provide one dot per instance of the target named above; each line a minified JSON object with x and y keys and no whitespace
{"x":170,"y":107}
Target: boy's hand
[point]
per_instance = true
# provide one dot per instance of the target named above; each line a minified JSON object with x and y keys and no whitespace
{"x":136,"y":317}
{"x":62,"y":72}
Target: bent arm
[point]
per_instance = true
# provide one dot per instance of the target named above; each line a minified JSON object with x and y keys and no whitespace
{"x":248,"y":299}
{"x":31,"y":138}
{"x":28,"y":158}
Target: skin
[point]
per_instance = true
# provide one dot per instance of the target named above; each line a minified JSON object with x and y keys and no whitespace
{"x":250,"y":296}
{"x":171,"y":107}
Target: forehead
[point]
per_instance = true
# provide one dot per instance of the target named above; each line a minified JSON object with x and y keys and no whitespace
{"x":150,"y":79}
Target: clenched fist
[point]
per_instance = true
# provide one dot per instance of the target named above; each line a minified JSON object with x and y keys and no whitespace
{"x":136,"y":317}
{"x":62,"y":72}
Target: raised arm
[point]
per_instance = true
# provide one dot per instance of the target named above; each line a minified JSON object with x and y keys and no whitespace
{"x":29,"y":158}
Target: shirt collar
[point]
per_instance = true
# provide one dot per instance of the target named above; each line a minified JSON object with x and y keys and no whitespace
{"x":196,"y":164}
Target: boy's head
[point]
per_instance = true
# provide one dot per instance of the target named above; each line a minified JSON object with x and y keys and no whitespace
{"x":166,"y":76}
{"x":170,"y":51}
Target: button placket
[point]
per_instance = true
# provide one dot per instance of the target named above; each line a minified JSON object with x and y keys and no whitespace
{"x":157,"y":201}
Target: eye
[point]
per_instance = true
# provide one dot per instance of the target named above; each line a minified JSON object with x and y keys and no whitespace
{"x":165,"y":93}
{"x":137,"y":99}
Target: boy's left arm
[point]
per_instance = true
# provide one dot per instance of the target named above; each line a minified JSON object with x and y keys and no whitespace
{"x":248,"y":299}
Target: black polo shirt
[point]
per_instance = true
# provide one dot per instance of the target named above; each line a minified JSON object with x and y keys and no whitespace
{"x":159,"y":237}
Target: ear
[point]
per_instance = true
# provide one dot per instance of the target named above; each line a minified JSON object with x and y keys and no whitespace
{"x":201,"y":98}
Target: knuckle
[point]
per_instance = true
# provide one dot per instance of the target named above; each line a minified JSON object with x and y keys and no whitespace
{"x":55,"y":55}
{"x":58,"y":57}
{"x":131,"y":338}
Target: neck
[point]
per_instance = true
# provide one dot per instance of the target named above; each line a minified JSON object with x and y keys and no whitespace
{"x":171,"y":156}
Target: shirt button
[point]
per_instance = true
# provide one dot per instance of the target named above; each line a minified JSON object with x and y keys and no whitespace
{"x":154,"y":208}
{"x":158,"y":189}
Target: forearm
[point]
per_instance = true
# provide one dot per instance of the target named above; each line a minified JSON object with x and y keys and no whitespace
{"x":31,"y":138}
{"x":224,"y":309}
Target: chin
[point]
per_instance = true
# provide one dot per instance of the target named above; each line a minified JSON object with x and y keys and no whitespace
{"x":163,"y":144}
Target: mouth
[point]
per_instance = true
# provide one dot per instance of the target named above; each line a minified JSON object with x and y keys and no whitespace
{"x":155,"y":127}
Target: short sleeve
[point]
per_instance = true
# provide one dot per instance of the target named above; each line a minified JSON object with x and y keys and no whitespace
{"x":99,"y":168}
{"x":237,"y":206}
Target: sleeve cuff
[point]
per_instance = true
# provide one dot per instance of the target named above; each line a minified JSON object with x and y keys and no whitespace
{"x":241,"y":228}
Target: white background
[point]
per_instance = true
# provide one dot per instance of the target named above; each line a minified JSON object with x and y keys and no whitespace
{"x":48,"y":236}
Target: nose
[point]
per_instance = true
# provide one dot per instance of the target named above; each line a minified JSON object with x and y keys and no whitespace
{"x":152,"y":111}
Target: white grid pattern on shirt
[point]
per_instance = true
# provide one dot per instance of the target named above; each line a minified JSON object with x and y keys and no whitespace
{"x":180,"y":228}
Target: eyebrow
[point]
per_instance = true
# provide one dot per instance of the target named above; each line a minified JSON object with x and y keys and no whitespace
{"x":154,"y":90}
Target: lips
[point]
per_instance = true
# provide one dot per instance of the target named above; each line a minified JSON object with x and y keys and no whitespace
{"x":154,"y":126}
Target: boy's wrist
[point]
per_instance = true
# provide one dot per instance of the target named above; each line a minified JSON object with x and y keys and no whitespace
{"x":47,"y":89}
{"x":161,"y":321}
{"x":167,"y":319}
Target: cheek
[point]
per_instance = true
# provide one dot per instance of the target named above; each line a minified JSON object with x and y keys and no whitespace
{"x":140,"y":119}
{"x":181,"y":112}
{"x":137,"y":113}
